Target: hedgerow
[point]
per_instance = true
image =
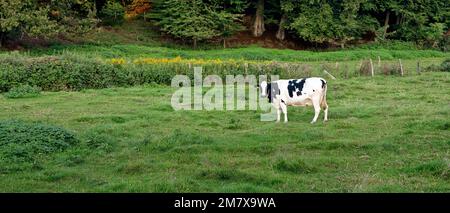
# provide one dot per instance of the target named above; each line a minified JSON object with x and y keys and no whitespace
{"x":76,"y":72}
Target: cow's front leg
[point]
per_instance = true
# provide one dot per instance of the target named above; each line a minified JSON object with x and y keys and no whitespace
{"x":284,"y":109}
{"x":316,"y":104}
{"x":276,"y":105}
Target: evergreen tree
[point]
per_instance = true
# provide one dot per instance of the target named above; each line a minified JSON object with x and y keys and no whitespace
{"x":194,"y":20}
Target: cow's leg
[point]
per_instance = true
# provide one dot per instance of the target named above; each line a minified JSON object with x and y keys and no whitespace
{"x":277,"y":106}
{"x":284,"y":109}
{"x":316,"y":105}
{"x":325,"y":117}
{"x":325,"y":109}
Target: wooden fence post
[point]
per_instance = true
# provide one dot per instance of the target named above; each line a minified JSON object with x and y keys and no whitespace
{"x":371,"y":68}
{"x":346,"y":71}
{"x":326,"y":72}
{"x":418,"y":67}
{"x":337,"y":68}
{"x":401,"y":67}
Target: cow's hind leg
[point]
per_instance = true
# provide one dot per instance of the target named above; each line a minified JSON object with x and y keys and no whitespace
{"x":324,"y":106}
{"x":284,"y":109}
{"x":316,"y":105}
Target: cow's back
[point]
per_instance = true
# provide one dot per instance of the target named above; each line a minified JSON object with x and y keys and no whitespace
{"x":300,"y":91}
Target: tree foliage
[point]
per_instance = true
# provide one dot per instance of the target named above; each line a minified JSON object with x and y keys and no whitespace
{"x":194,"y":20}
{"x":45,"y":18}
{"x":112,"y":13}
{"x":317,"y":21}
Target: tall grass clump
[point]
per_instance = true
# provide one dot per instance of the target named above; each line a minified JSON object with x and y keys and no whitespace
{"x":22,"y":144}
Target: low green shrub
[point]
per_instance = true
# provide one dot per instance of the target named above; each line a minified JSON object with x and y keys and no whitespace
{"x":25,"y":143}
{"x":445,"y":66}
{"x":23,"y":91}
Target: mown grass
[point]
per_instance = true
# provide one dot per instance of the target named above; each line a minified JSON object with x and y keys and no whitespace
{"x":137,"y":39}
{"x":246,"y":53}
{"x":385,"y":134}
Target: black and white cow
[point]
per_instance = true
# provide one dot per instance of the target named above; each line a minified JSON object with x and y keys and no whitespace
{"x":297,"y":92}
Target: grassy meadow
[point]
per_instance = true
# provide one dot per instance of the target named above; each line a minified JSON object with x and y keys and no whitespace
{"x":107,"y":93}
{"x":385,"y":134}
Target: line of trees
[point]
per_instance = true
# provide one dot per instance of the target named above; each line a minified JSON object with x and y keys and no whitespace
{"x":315,"y":21}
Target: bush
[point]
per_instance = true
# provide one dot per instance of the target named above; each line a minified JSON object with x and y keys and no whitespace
{"x":445,"y":66}
{"x":23,"y":91}
{"x":22,"y":142}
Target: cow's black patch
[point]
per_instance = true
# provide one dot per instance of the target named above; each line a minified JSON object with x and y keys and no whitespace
{"x":269,"y":92}
{"x":293,"y":85}
{"x":323,"y":83}
{"x":282,"y":101}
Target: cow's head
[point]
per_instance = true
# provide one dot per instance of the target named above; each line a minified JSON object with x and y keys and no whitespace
{"x":269,"y":90}
{"x":264,"y":89}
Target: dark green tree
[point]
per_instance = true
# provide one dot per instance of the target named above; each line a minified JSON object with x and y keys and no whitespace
{"x":112,"y":13}
{"x":194,"y":20}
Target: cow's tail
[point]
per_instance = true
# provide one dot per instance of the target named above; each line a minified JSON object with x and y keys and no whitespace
{"x":323,"y":103}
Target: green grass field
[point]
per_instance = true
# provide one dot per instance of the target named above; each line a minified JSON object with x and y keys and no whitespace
{"x":385,"y":134}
